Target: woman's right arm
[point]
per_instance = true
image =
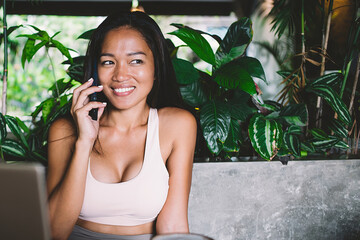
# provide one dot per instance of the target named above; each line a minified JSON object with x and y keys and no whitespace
{"x":69,"y":148}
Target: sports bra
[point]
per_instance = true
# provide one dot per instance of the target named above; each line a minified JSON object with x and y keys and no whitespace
{"x":136,"y":201}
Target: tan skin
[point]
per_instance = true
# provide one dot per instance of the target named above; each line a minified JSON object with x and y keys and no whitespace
{"x":126,"y":73}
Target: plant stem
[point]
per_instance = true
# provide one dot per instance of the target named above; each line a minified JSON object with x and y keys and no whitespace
{"x":53,"y":71}
{"x":325,"y":40}
{"x":355,"y":84}
{"x":5,"y":74}
{"x":302,"y":30}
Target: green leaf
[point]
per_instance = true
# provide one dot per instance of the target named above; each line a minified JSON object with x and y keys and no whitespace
{"x":307,"y":146}
{"x":253,"y":66}
{"x":185,"y":71}
{"x":330,"y":79}
{"x":333,"y":99}
{"x":197,"y":43}
{"x":193,"y":94}
{"x":47,"y":107}
{"x":13,"y":148}
{"x":214,"y":36}
{"x":271,"y":105}
{"x":233,"y":140}
{"x":240,"y":110}
{"x":235,"y":42}
{"x":86,"y":35}
{"x":265,"y":135}
{"x":22,"y":125}
{"x":232,"y":76}
{"x":292,"y":142}
{"x":326,"y":143}
{"x":60,"y":85}
{"x":295,"y":114}
{"x":222,"y":58}
{"x":318,"y":133}
{"x":27,"y":50}
{"x":62,"y":49}
{"x":215,"y":122}
{"x":3,"y":131}
{"x":34,"y":50}
{"x":31,"y":36}
{"x":341,"y":144}
{"x":16,"y":130}
{"x":338,"y":128}
{"x":293,"y":129}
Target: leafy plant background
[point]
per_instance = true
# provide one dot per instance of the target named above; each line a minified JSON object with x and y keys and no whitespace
{"x":233,"y":118}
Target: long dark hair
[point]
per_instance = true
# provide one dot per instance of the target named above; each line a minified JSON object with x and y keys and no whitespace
{"x":165,"y":92}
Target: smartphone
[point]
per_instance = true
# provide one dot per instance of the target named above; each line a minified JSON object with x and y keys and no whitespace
{"x":93,"y":97}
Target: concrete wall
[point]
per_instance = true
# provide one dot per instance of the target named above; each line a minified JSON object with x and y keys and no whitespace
{"x":268,"y":200}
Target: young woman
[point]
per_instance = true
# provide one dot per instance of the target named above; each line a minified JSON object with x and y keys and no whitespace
{"x":128,"y":174}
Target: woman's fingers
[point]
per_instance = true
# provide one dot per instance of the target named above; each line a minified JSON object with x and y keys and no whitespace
{"x":83,"y":86}
{"x":90,"y":105}
{"x":81,"y":95}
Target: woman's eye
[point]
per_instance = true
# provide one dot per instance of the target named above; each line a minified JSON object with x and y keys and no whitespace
{"x":137,"y":61}
{"x":108,"y":62}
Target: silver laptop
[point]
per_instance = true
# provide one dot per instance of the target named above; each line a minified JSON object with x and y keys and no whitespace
{"x":23,"y":202}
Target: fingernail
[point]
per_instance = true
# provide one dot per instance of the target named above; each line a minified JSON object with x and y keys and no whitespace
{"x":90,"y":79}
{"x":100,"y":86}
{"x":104,"y":103}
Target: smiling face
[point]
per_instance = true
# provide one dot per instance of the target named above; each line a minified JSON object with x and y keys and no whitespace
{"x":126,"y":68}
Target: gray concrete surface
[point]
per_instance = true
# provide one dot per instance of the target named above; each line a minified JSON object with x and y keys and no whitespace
{"x":267,"y":200}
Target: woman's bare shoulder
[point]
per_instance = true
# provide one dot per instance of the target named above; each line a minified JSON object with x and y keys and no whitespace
{"x":178,"y":117}
{"x":62,"y":128}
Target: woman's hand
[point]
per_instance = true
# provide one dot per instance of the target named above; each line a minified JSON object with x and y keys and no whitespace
{"x":87,"y":128}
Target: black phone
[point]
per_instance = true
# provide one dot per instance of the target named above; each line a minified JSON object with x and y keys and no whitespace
{"x":93,"y":97}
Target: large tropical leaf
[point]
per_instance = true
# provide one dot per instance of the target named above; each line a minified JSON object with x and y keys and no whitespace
{"x":235,"y":42}
{"x":240,"y":110}
{"x":266,"y":136}
{"x":16,"y":130}
{"x":185,"y":71}
{"x":318,"y":134}
{"x":295,"y":114}
{"x":13,"y":148}
{"x":197,"y":43}
{"x":338,"y":128}
{"x":234,"y":138}
{"x":253,"y":66}
{"x":233,"y":76}
{"x":325,"y":143}
{"x":330,"y":79}
{"x":292,"y":142}
{"x":193,"y":94}
{"x":215,"y":122}
{"x":214,"y":36}
{"x":333,"y":99}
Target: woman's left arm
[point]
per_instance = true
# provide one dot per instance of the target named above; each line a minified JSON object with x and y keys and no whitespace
{"x":179,"y":126}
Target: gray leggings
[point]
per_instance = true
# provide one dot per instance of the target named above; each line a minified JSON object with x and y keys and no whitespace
{"x":80,"y":233}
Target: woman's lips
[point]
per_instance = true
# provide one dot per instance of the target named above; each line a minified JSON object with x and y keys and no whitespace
{"x":123,"y":91}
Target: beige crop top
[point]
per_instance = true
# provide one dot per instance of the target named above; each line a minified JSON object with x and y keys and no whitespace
{"x":136,"y":201}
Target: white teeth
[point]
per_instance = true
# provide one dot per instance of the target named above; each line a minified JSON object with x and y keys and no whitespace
{"x":121,"y":90}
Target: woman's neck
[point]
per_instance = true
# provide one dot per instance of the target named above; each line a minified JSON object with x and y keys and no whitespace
{"x":125,"y":119}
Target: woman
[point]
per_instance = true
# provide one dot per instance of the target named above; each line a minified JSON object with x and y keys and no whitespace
{"x":127,"y":175}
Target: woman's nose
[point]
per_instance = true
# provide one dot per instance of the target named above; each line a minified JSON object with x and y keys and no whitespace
{"x":121,"y":73}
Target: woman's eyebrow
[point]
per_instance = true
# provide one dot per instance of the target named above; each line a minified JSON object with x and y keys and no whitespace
{"x":106,"y":55}
{"x":136,"y":53}
{"x":128,"y":54}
